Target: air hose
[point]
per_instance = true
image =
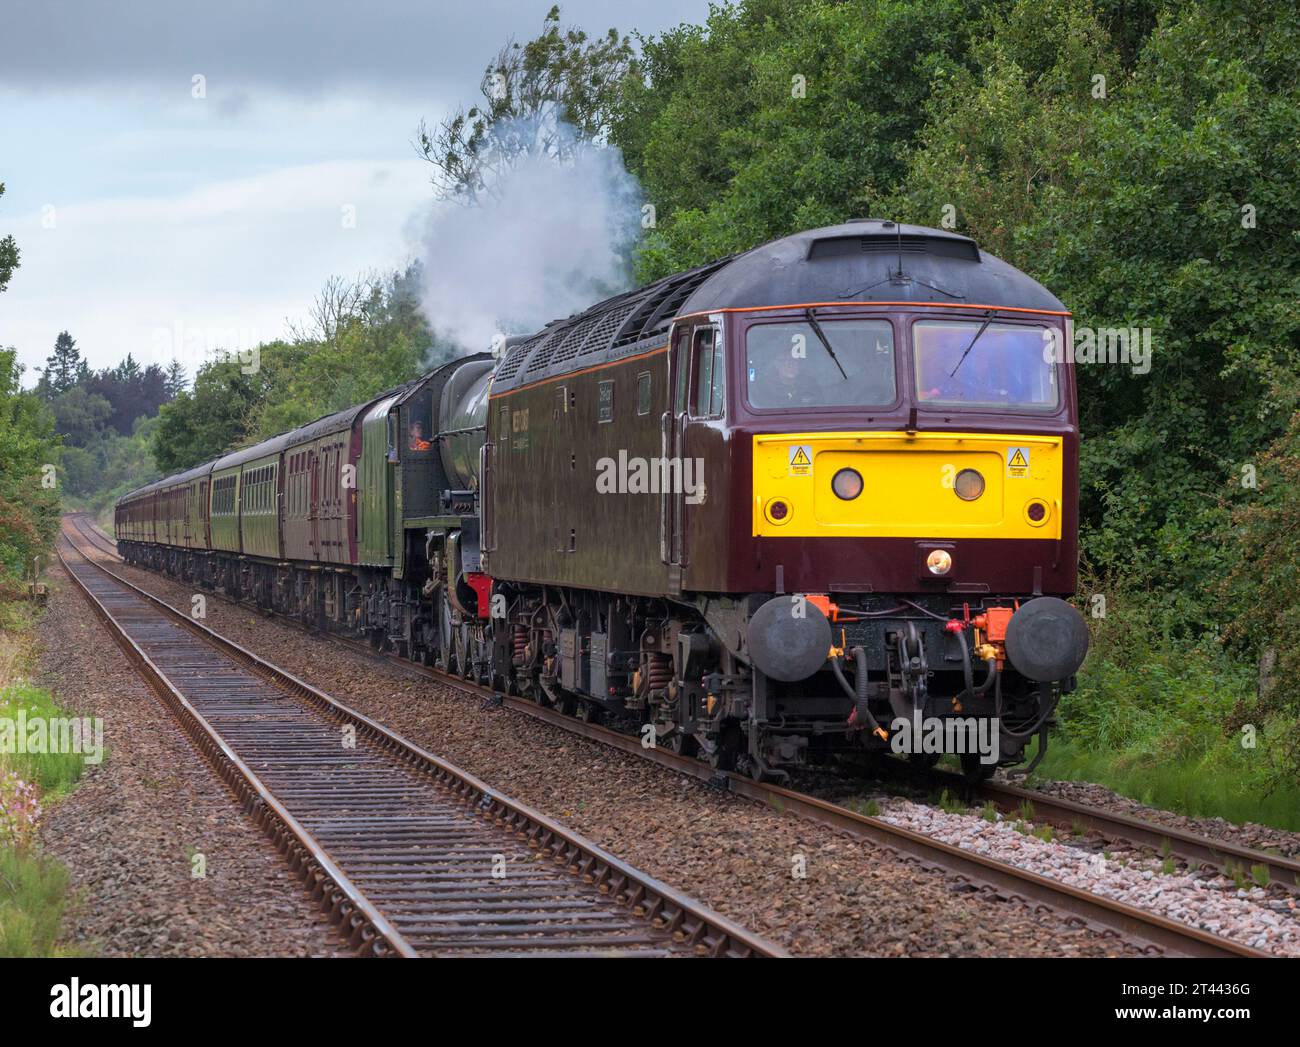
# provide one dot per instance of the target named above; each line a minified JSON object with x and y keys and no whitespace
{"x":858,"y":691}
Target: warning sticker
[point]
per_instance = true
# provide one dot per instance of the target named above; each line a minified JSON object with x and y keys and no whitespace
{"x":801,"y":459}
{"x":1018,"y":461}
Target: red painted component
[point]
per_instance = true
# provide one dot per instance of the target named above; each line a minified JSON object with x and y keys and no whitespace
{"x":998,"y":617}
{"x":482,"y":586}
{"x":828,"y":608}
{"x":954,"y":626}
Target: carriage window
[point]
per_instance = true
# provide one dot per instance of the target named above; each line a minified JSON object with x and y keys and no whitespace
{"x":1004,"y":367}
{"x":710,"y":373}
{"x":643,"y":393}
{"x":788,"y":365}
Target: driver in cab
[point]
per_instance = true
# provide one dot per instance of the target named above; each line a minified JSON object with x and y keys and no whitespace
{"x":417,"y":440}
{"x":785,"y":382}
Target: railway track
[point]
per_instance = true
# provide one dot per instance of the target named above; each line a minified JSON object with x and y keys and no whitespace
{"x":1148,"y":930}
{"x":410,"y":855}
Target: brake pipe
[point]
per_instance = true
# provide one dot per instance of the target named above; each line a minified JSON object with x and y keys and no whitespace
{"x":858,"y":694}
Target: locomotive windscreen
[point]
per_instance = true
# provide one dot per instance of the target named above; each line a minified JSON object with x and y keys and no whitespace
{"x":1004,"y":366}
{"x":787,"y":364}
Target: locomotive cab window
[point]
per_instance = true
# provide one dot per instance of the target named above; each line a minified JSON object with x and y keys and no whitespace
{"x":710,"y":374}
{"x":830,"y":363}
{"x":683,"y":371}
{"x":419,"y":423}
{"x":977,"y":365}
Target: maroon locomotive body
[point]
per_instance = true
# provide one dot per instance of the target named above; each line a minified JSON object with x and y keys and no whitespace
{"x":661,"y":507}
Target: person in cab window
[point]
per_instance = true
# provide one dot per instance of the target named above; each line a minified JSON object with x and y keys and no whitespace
{"x":417,"y":441}
{"x":792,"y":384}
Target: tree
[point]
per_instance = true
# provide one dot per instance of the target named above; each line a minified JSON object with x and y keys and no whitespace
{"x":540,"y":98}
{"x":29,"y":501}
{"x":81,"y":416}
{"x":175,"y":379}
{"x":63,"y":368}
{"x":9,"y":254}
{"x":780,"y":115}
{"x":210,"y":419}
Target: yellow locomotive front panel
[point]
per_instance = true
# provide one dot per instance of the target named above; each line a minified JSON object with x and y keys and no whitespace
{"x":900,"y":485}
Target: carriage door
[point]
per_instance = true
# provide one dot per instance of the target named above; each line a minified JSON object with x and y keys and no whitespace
{"x":699,"y":383}
{"x":313,"y":511}
{"x":672,"y":423}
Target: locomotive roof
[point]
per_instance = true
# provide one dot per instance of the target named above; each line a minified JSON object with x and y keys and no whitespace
{"x":866,"y":260}
{"x":869,"y":260}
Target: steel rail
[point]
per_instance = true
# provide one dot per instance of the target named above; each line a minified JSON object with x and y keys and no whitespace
{"x":1100,"y":913}
{"x":681,"y":922}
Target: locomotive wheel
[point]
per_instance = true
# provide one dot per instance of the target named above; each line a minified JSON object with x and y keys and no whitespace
{"x":446,"y":638}
{"x":975,"y":772}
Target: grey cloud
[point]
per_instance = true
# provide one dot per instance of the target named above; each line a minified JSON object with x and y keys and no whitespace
{"x":291,"y":45}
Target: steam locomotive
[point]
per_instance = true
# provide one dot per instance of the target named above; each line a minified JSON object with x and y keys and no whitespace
{"x":813,"y":499}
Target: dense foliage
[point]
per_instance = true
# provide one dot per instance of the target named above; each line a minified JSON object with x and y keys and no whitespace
{"x":29,"y":499}
{"x":103,"y":420}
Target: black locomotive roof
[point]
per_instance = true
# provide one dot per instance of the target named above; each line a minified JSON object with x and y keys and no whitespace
{"x":867,"y":260}
{"x":871,"y":260}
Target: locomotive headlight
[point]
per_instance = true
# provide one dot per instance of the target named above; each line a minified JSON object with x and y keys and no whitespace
{"x":938,"y":562}
{"x":847,"y":484}
{"x":969,"y":485}
{"x":1037,"y":512}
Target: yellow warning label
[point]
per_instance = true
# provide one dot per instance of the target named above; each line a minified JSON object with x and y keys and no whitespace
{"x":801,"y":459}
{"x":1018,"y":461}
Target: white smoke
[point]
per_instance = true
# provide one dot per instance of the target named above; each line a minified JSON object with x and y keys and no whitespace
{"x":550,"y":236}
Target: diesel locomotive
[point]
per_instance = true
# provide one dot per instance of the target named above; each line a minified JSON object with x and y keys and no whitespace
{"x":813,"y":499}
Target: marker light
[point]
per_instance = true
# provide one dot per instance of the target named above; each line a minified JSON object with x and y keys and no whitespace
{"x":969,"y":485}
{"x":778,"y":511}
{"x":1036,"y":512}
{"x":847,"y":484}
{"x":939,"y":561}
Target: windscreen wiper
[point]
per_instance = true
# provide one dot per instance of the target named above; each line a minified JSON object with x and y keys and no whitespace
{"x":988,"y":319}
{"x":821,"y":337}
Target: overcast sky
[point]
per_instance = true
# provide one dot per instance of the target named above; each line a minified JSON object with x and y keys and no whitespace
{"x":152,"y":221}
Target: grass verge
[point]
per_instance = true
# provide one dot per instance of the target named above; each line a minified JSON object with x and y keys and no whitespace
{"x":34,"y":889}
{"x":1151,"y":718}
